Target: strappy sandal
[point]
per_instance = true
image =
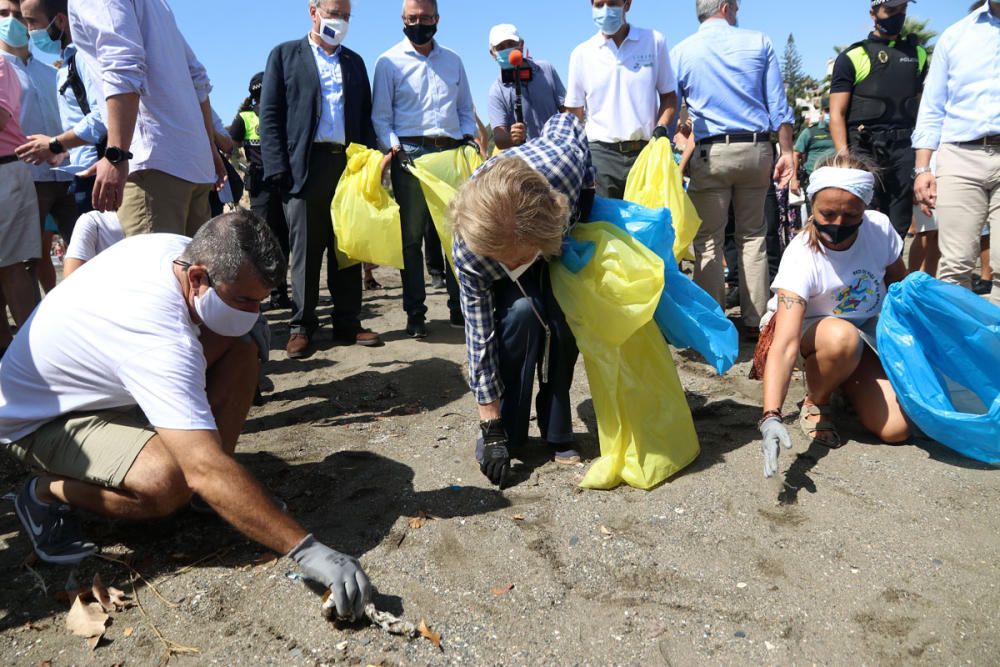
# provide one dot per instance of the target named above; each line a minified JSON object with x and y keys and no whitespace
{"x":813,"y":428}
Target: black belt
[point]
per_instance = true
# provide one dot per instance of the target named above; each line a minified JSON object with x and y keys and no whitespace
{"x":7,"y":159}
{"x":904,"y":134}
{"x":329,"y":147}
{"x":984,"y":142}
{"x":432,"y":142}
{"x":737,"y":138}
{"x":623,"y":146}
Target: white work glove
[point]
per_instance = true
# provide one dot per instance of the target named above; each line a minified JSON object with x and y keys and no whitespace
{"x":349,"y":587}
{"x":774,"y":432}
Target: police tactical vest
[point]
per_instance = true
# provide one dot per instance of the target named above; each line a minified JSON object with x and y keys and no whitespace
{"x":888,"y":83}
{"x":251,"y":125}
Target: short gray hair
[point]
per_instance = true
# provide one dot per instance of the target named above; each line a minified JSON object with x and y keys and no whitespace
{"x":708,"y":8}
{"x":432,"y":3}
{"x":225,"y":243}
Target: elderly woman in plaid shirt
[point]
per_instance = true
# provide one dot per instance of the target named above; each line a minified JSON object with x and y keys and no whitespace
{"x":510,"y":220}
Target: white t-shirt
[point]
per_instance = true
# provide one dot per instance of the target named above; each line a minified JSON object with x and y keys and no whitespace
{"x":620,"y":88}
{"x":117,"y":334}
{"x":93,"y":233}
{"x":849,"y":284}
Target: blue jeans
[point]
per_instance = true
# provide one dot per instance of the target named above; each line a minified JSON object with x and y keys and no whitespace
{"x":415,"y":218}
{"x":522,"y":346}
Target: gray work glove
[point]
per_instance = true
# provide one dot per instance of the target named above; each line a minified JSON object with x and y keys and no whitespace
{"x":774,"y":432}
{"x":349,"y":587}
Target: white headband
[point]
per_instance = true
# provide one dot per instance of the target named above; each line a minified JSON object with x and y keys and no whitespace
{"x":859,"y":183}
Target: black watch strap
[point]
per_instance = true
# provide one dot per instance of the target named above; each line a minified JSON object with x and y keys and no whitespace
{"x":56,"y":147}
{"x":116,"y":155}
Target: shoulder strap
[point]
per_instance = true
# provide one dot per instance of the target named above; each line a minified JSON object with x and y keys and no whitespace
{"x":74,"y":81}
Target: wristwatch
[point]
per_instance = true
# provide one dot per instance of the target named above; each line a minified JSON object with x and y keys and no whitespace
{"x":917,"y":171}
{"x":116,"y":155}
{"x":56,"y":147}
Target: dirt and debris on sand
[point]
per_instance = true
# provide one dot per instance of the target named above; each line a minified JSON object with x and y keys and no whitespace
{"x":867,"y":554}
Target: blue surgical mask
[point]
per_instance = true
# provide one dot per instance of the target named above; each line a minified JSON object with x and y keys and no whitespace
{"x":609,"y":20}
{"x":41,"y":40}
{"x":503,"y":58}
{"x":13,"y":33}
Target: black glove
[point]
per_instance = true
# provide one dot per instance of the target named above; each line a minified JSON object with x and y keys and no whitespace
{"x":280,"y":182}
{"x":660,"y":132}
{"x":495,"y":463}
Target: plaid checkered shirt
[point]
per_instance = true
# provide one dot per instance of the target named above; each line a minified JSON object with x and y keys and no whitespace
{"x":561,"y":154}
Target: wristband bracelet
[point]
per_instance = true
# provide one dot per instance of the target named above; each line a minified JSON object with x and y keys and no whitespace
{"x":769,"y":414}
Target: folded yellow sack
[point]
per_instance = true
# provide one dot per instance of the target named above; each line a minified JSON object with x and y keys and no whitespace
{"x":365,"y":216}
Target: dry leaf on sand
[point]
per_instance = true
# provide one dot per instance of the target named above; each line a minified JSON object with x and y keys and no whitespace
{"x":429,"y":635}
{"x":518,"y":517}
{"x":417,"y":522}
{"x":607,"y":532}
{"x":86,"y":619}
{"x":500,"y":590}
{"x":266,"y":561}
{"x":110,"y":598}
{"x":127,"y":632}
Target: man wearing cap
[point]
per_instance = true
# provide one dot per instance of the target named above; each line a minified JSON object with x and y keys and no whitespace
{"x":622,"y":81}
{"x":316,"y":101}
{"x":732,"y":83}
{"x":960,"y":118}
{"x":422,"y":104}
{"x":542,"y":94}
{"x":874,"y":96}
{"x":813,"y":144}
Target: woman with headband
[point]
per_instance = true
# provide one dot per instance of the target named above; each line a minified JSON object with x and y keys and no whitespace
{"x":828,"y":293}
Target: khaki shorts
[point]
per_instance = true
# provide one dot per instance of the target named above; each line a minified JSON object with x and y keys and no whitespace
{"x":99,"y":447}
{"x":154,"y":202}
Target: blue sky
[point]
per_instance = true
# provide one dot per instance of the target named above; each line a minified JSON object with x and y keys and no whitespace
{"x":233,"y":38}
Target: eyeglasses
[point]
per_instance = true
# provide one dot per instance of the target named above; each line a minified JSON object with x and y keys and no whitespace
{"x":336,"y":15}
{"x":422,"y":19}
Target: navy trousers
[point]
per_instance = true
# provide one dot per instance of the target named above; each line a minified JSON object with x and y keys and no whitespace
{"x":522,"y":346}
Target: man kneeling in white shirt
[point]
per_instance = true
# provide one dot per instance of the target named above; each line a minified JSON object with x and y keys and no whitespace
{"x":139,"y":404}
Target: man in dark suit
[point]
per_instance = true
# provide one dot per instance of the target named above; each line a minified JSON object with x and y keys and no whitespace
{"x":316,"y":101}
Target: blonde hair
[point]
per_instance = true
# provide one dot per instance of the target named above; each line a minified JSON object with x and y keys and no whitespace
{"x":847,"y":160}
{"x":510,"y":204}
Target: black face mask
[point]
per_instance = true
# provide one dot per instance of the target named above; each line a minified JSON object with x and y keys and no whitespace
{"x":892,"y":25}
{"x":837,"y":234}
{"x":420,"y":34}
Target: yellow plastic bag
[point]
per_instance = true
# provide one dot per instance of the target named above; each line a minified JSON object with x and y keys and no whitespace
{"x":643,"y":421}
{"x":365,"y":216}
{"x":441,"y":175}
{"x":657,"y":182}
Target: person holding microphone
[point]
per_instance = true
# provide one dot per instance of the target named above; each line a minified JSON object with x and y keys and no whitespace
{"x":526,"y":94}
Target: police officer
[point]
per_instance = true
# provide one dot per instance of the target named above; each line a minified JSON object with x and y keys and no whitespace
{"x":813,"y":144}
{"x":265,"y":198}
{"x":874,"y":98}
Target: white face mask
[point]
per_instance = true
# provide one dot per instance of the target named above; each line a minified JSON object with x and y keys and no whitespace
{"x":221,"y":318}
{"x":333,"y":31}
{"x":514,"y":274}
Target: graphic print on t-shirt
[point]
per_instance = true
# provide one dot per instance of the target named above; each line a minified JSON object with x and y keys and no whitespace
{"x":862,"y":295}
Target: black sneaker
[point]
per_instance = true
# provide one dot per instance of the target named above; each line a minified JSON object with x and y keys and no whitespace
{"x":732,"y":297}
{"x":416,"y":327}
{"x":457,"y":320}
{"x":53,"y":529}
{"x":437,"y":281}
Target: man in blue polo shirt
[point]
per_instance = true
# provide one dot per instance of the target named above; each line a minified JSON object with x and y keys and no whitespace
{"x":542,"y":93}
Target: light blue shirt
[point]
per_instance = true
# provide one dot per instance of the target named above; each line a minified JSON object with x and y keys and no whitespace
{"x":331,"y":83}
{"x":731,"y":81}
{"x":88,"y":127}
{"x":136,"y":47}
{"x":415,"y":96}
{"x":961,"y":100}
{"x":39,"y":108}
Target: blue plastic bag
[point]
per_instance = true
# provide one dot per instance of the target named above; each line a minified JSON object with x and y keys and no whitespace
{"x":940,"y":347}
{"x":687,"y":315}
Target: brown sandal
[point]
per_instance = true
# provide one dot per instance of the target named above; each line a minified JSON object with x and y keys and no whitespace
{"x":813,"y":428}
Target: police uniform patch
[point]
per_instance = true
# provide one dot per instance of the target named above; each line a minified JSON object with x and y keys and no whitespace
{"x":883,"y":57}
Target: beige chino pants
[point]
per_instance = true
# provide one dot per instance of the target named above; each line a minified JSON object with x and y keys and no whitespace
{"x":968,"y":182}
{"x":739,"y":174}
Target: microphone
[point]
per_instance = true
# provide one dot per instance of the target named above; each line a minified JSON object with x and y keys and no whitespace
{"x":516,"y":58}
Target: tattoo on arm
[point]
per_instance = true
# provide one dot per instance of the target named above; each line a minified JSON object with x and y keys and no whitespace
{"x":791,"y":300}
